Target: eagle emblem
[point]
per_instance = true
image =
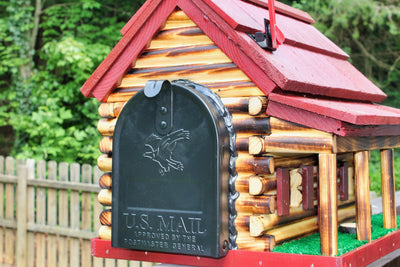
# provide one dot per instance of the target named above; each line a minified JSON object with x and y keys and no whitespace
{"x":162,"y":148}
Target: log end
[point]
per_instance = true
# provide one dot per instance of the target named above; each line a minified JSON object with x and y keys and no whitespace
{"x":105,"y":181}
{"x":256,"y":226}
{"x":104,"y":110}
{"x":105,"y":197}
{"x":105,"y":232}
{"x":296,"y":198}
{"x":105,"y":145}
{"x":104,"y":163}
{"x":106,"y":126}
{"x":105,"y":217}
{"x":257,"y":105}
{"x":296,"y":178}
{"x":255,"y":186}
{"x":256,"y":145}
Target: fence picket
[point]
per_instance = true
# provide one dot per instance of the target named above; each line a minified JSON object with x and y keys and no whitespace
{"x":10,"y":233}
{"x":52,"y":214}
{"x":75,"y":211}
{"x":41,"y":216}
{"x":57,"y":228}
{"x":86,"y":259}
{"x":21,"y":216}
{"x":98,"y":208}
{"x":30,"y":164}
{"x":109,"y":263}
{"x":122,"y":263}
{"x":2,"y":211}
{"x":147,"y":264}
{"x":135,"y":264}
{"x":63,"y":216}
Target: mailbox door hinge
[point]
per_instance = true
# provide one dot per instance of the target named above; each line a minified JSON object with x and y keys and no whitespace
{"x":162,"y":92}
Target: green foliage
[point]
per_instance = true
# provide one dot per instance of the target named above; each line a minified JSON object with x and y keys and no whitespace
{"x":40,"y":78}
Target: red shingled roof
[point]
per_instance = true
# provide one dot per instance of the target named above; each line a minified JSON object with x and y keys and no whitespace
{"x":306,"y":63}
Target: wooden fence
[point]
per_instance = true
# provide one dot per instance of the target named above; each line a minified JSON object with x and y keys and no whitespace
{"x":48,"y":214}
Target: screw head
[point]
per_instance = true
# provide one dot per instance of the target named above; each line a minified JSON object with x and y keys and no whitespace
{"x":163,"y":124}
{"x":163,"y":110}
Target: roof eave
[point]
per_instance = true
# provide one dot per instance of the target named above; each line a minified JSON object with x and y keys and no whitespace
{"x":137,"y":35}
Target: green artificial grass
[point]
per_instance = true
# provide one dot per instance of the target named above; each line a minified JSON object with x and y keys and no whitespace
{"x":346,"y":242}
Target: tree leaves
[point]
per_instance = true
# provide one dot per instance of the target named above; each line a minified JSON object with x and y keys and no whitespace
{"x":50,"y":116}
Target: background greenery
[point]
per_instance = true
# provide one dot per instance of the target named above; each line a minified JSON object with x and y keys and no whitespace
{"x":48,"y":48}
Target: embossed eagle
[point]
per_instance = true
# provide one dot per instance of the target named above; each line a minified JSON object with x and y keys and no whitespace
{"x":162,"y":148}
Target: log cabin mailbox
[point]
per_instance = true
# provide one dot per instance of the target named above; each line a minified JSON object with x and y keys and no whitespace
{"x":171,"y":157}
{"x":304,"y":121}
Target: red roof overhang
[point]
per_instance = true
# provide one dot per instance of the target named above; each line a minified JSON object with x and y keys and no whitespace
{"x":143,"y":26}
{"x":345,"y":118}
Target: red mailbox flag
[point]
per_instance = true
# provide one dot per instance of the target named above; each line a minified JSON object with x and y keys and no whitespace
{"x":276,"y":35}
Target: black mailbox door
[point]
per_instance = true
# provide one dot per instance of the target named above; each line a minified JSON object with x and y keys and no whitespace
{"x":170,"y":173}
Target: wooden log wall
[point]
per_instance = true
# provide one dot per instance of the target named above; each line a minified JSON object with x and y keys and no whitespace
{"x":182,"y":51}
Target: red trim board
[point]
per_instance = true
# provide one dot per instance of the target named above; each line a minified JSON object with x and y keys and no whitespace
{"x":361,"y":256}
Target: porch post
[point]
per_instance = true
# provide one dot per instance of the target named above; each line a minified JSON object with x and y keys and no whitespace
{"x":363,"y":206}
{"x":327,"y":206}
{"x":388,"y":189}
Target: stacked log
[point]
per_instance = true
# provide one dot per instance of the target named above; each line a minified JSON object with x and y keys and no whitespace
{"x":281,"y":145}
{"x":260,"y":221}
{"x":105,"y":181}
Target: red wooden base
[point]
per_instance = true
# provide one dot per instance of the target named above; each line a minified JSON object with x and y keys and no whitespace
{"x":361,"y":256}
